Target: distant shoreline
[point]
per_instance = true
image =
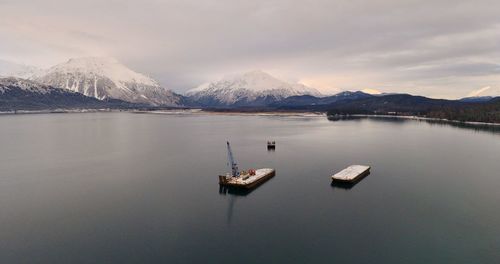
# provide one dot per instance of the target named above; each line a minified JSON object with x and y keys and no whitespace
{"x":60,"y":111}
{"x":239,"y":113}
{"x":170,"y":112}
{"x":236,"y":113}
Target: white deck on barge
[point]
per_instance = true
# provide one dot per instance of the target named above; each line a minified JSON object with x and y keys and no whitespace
{"x":247,"y":180}
{"x":351,"y":173}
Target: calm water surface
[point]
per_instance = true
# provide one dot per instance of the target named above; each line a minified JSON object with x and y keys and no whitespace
{"x":130,"y":188}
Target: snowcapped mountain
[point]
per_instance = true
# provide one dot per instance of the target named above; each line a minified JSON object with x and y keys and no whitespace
{"x":103,"y":78}
{"x":11,"y":69}
{"x":476,"y":99}
{"x":255,"y":88}
{"x":17,"y":94}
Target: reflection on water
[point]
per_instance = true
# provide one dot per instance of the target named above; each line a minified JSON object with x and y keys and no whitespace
{"x":230,"y":208}
{"x":234,"y":194}
{"x":223,"y":190}
{"x":348,"y":185}
{"x":476,"y":127}
{"x":401,"y":120}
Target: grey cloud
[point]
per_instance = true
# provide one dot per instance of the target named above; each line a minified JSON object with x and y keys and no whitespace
{"x":458,"y":70}
{"x":185,"y":43}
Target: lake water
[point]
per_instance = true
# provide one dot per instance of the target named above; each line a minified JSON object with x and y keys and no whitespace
{"x":142,"y":188}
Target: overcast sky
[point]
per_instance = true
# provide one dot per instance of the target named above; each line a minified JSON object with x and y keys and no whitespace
{"x":437,"y":48}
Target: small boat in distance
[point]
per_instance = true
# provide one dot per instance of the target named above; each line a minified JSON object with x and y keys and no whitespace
{"x":271,"y":144}
{"x":245,"y":179}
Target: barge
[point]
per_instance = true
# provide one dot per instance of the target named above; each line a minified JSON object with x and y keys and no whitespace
{"x":245,"y":179}
{"x":352,"y":174}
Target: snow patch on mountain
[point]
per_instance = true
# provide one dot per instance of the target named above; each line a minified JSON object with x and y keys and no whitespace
{"x":371,"y":91}
{"x":104,"y":77}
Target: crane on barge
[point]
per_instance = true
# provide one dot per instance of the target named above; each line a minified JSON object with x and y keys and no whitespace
{"x":245,"y":179}
{"x":232,"y":163}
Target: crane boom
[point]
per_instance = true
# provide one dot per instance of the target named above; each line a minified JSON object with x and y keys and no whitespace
{"x":232,"y":163}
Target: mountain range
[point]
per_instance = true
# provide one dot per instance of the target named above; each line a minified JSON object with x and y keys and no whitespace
{"x":96,"y":82}
{"x":255,"y":88}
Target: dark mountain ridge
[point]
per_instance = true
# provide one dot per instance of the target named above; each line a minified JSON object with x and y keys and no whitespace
{"x":397,"y":103}
{"x":309,"y":100}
